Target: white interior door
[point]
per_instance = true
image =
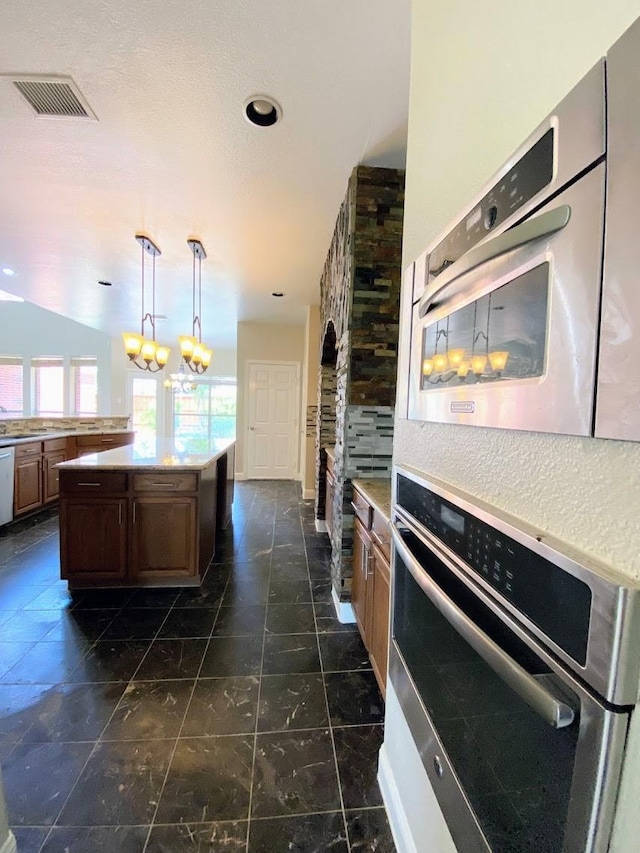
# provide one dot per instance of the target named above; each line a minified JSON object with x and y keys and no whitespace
{"x":272,"y":434}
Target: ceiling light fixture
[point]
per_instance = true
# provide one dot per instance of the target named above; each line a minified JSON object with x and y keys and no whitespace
{"x":105,"y":283}
{"x":154,"y":356}
{"x":278,"y":294}
{"x":262,"y":110}
{"x":196,"y":355}
{"x":8,"y":271}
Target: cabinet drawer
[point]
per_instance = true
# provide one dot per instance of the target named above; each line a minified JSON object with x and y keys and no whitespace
{"x":362,"y":508}
{"x":165,"y":482}
{"x":55,"y":444}
{"x":381,"y":533}
{"x":94,"y":482}
{"x":25,"y":450}
{"x":102,"y":441}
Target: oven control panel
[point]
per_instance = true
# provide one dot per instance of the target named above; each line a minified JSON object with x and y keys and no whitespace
{"x":525,"y":179}
{"x":556,"y":601}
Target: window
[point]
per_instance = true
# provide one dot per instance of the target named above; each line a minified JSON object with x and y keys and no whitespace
{"x":204,"y":414}
{"x":10,"y":387}
{"x":144,"y":397}
{"x":47,"y":386}
{"x":84,"y":386}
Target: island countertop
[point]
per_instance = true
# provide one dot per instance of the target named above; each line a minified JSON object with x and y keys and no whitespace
{"x":169,"y":457}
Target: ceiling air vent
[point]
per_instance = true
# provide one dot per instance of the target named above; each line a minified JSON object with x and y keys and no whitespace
{"x":53,"y":97}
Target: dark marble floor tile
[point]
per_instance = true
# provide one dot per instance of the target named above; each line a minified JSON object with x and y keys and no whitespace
{"x":185,"y":622}
{"x":203,"y":596}
{"x":28,"y":626}
{"x":328,"y":622}
{"x":29,"y":839}
{"x":11,"y":654}
{"x":5,"y":615}
{"x":57,"y":598}
{"x":315,"y":833}
{"x":320,"y":570}
{"x":209,"y":778}
{"x":222,"y":706}
{"x":289,"y":570}
{"x":81,"y":626}
{"x":141,"y":623}
{"x":37,"y":779}
{"x":290,"y":551}
{"x":72,"y":712}
{"x":357,"y":750}
{"x":232,"y":656}
{"x":321,"y":591}
{"x":286,"y":653}
{"x":19,"y":706}
{"x":110,"y":660}
{"x":289,"y":591}
{"x":294,"y":701}
{"x":169,"y":659}
{"x":294,"y":774}
{"x":290,"y":619}
{"x":45,"y":663}
{"x":240,"y":619}
{"x":220,"y":837}
{"x":369,"y":831}
{"x":96,"y":839}
{"x":16,"y":596}
{"x":150,"y":710}
{"x":217,"y":575}
{"x":120,"y":785}
{"x":354,"y":698}
{"x":101,"y":599}
{"x":153,"y":597}
{"x":343,"y":652}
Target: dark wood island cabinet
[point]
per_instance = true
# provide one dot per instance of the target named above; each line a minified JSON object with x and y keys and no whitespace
{"x":130,"y":520}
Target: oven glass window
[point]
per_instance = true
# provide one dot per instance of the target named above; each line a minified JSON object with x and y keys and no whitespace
{"x":498,"y":337}
{"x":515,"y":768}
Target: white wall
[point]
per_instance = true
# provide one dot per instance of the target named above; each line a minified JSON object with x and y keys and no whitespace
{"x":28,"y":331}
{"x":262,"y":342}
{"x":482,"y":77}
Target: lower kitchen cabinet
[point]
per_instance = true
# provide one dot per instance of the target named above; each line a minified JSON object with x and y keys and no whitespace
{"x":93,"y":539}
{"x":370,"y":585}
{"x":50,"y":476}
{"x":27,"y":490}
{"x":163,"y":540}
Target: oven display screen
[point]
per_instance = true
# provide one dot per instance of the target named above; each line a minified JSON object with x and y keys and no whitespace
{"x":452,"y":519}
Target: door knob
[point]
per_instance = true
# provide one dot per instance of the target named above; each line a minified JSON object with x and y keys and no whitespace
{"x":251,"y":427}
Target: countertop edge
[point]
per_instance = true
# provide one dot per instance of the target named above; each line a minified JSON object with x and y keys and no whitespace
{"x":383,"y":506}
{"x":13,"y":440}
{"x":93,"y":461}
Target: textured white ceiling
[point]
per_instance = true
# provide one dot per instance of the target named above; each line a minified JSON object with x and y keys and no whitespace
{"x":172,"y":155}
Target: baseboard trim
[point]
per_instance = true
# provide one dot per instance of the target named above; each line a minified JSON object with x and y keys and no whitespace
{"x":393,"y":804}
{"x":344,"y":610}
{"x":307,"y":494}
{"x":321,"y":526}
{"x":239,"y":475}
{"x":9,"y":845}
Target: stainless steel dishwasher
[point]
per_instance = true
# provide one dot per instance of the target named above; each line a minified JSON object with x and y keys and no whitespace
{"x":7,"y":455}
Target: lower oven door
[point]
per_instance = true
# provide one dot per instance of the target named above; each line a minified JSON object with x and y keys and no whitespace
{"x":521,"y":757}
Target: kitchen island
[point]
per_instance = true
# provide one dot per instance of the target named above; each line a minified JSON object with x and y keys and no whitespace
{"x":128,"y":519}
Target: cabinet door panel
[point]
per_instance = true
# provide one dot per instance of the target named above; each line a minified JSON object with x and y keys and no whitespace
{"x":93,"y":539}
{"x":28,"y":485}
{"x":163,"y":537}
{"x":51,"y":475}
{"x":360,"y":581}
{"x":379,"y":645}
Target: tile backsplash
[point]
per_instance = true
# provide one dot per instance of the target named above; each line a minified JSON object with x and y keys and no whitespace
{"x":26,"y":426}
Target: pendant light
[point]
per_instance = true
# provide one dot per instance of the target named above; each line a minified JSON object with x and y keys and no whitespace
{"x":154,"y":357}
{"x":196,"y":355}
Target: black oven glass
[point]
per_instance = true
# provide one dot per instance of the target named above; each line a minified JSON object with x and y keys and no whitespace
{"x":515,"y":769}
{"x":498,"y":337}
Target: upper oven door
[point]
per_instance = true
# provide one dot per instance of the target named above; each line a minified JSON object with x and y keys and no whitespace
{"x":507,"y":335}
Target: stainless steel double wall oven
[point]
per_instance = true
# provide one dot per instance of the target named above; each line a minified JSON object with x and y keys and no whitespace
{"x":516,"y":665}
{"x":526,"y":311}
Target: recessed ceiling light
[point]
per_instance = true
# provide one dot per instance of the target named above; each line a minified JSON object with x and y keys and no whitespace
{"x":105,"y":283}
{"x":278,"y":294}
{"x":262,"y":110}
{"x":8,"y":271}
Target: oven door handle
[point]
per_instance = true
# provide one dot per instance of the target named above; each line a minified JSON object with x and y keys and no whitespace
{"x":552,"y":711}
{"x":532,"y":229}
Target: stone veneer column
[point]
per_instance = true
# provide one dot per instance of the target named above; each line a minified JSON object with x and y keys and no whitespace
{"x":360,"y":296}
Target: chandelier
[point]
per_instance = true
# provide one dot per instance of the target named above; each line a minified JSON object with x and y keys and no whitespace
{"x":153,"y":356}
{"x":180,"y":382}
{"x":195,"y":354}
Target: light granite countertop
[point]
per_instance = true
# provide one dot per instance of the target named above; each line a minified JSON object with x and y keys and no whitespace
{"x":378,"y":493}
{"x":134,"y":456}
{"x":13,"y":440}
